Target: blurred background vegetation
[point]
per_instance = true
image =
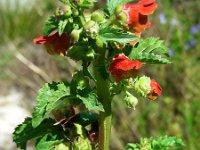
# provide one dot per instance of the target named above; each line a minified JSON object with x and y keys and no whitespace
{"x":26,"y":67}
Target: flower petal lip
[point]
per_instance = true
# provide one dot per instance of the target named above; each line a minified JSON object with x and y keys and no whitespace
{"x":156,"y":90}
{"x":40,"y":40}
{"x":122,"y":66}
{"x":54,"y":43}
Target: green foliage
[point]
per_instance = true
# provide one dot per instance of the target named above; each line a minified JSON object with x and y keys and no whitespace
{"x":50,"y":25}
{"x":116,"y":35}
{"x":162,"y":143}
{"x":48,"y":97}
{"x":112,"y":4}
{"x":151,"y":50}
{"x":81,"y":88}
{"x":61,"y":26}
{"x":26,"y":131}
{"x":48,"y":142}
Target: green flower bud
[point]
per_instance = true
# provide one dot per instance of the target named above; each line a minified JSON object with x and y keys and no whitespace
{"x":99,"y":42}
{"x":142,"y":86}
{"x":63,"y":11}
{"x":130,"y":100}
{"x":98,"y":16}
{"x":75,"y":34}
{"x":85,"y":3}
{"x":67,"y":11}
{"x":62,"y":146}
{"x":122,"y":19}
{"x":118,"y":9}
{"x":92,"y":28}
{"x":75,"y":12}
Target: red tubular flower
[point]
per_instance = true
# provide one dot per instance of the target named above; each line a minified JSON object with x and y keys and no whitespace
{"x":136,"y":18}
{"x":54,"y":43}
{"x":156,"y":90}
{"x":122,"y":67}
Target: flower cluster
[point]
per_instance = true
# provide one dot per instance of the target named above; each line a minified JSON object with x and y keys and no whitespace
{"x":135,"y":16}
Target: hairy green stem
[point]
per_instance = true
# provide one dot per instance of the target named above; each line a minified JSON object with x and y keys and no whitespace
{"x":105,"y":99}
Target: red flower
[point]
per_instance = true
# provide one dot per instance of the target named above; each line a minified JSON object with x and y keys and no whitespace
{"x":137,"y":15}
{"x":155,"y":90}
{"x":122,"y":67}
{"x":54,"y":43}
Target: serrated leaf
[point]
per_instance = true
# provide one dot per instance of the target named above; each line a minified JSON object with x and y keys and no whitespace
{"x":48,"y":97}
{"x":89,"y":99}
{"x":25,"y":131}
{"x":116,"y":35}
{"x":162,"y":143}
{"x":61,"y":26}
{"x":112,"y":4}
{"x":49,"y":26}
{"x":166,"y":142}
{"x":151,"y":50}
{"x":48,"y":142}
{"x":81,"y":88}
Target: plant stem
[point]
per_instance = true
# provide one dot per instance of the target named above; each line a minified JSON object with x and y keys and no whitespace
{"x":105,"y":98}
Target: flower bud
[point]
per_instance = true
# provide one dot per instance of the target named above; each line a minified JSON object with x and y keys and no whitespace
{"x":98,"y":16}
{"x":92,"y":28}
{"x":63,"y":11}
{"x":130,"y":100}
{"x":142,"y":86}
{"x":75,"y":12}
{"x":99,"y":42}
{"x":62,"y":146}
{"x":75,"y":34}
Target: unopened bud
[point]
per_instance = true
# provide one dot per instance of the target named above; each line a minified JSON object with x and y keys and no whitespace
{"x":142,"y":86}
{"x":92,"y":28}
{"x":64,"y":11}
{"x":98,"y":16}
{"x":75,"y":34}
{"x":130,"y":100}
{"x":99,"y":42}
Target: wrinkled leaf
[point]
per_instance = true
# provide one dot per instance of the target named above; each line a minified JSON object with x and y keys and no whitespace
{"x":116,"y":35}
{"x":25,"y":131}
{"x":48,"y":97}
{"x":151,"y":50}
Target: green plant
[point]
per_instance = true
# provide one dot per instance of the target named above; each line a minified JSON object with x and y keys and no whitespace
{"x":110,"y":49}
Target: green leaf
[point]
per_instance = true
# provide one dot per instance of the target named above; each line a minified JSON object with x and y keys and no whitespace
{"x":112,"y":4}
{"x":61,"y":26}
{"x":48,"y":97}
{"x":49,"y":26}
{"x":26,"y":131}
{"x":81,"y":88}
{"x":166,"y":142}
{"x":162,"y":143}
{"x":151,"y":50}
{"x":89,"y":99}
{"x":116,"y":35}
{"x":48,"y":142}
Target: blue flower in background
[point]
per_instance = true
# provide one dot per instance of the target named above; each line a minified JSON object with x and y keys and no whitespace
{"x":195,"y":28}
{"x":191,"y":43}
{"x":162,"y":18}
{"x":171,"y":52}
{"x":174,"y":22}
